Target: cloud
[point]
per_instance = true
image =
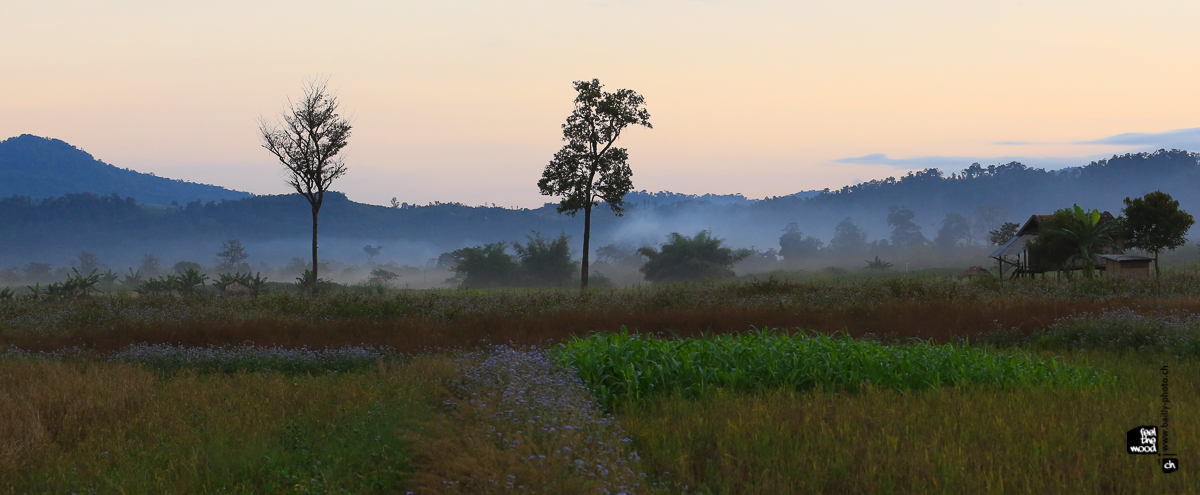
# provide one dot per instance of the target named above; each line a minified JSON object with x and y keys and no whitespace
{"x":1184,"y":139}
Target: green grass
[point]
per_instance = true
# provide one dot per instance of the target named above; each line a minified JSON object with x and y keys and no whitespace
{"x":621,"y":367}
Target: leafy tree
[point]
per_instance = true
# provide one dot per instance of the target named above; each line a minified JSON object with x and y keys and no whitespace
{"x":445,"y":260}
{"x":1050,"y":250}
{"x":1004,"y":234}
{"x":1154,"y":222}
{"x":955,"y":228}
{"x":589,"y":169}
{"x":372,"y":252}
{"x":382,"y":277}
{"x":988,"y":217}
{"x":231,"y":255}
{"x":848,"y":238}
{"x":619,"y":255}
{"x":544,"y":263}
{"x":688,"y":258}
{"x":483,"y":266}
{"x":905,"y":232}
{"x":8,"y":276}
{"x":308,"y":145}
{"x":793,"y":245}
{"x":149,"y":266}
{"x":87,"y":262}
{"x":183,"y":266}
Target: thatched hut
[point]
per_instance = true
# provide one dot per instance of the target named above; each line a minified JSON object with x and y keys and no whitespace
{"x":1015,"y":256}
{"x":233,"y":288}
{"x":974,"y":272}
{"x":1125,"y":265}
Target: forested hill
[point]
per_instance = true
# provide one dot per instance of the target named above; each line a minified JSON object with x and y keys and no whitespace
{"x":42,"y":168}
{"x":1019,"y":190}
{"x":1102,"y":183}
{"x":114,"y":226}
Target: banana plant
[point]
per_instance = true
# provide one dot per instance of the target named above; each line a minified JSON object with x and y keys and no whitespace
{"x":189,"y":282}
{"x":1089,"y":237}
{"x":132,"y":279}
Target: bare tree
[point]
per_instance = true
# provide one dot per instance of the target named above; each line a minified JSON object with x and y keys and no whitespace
{"x":308,"y":142}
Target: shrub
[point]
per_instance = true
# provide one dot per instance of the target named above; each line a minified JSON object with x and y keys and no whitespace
{"x":688,"y":258}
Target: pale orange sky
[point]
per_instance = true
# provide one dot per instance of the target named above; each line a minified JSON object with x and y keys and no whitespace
{"x":462,"y":100}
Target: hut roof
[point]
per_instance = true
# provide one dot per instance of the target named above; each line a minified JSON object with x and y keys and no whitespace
{"x":1034,"y":224}
{"x":1124,"y":257}
{"x":975,"y":271}
{"x":1014,"y":246}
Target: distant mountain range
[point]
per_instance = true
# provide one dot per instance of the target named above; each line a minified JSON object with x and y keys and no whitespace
{"x":82,"y":212}
{"x":41,"y":167}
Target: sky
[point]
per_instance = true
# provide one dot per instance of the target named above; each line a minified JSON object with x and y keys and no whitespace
{"x":456,"y":100}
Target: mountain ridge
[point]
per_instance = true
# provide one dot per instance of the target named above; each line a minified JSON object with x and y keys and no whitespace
{"x":40,"y":167}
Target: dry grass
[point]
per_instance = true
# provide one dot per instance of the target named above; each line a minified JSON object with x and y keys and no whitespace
{"x":112,"y":428}
{"x":47,"y":408}
{"x":941,"y":321}
{"x":952,"y":440}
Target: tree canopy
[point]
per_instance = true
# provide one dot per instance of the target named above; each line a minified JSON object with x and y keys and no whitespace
{"x":684,"y":258}
{"x":905,"y":232}
{"x":589,"y":169}
{"x":955,"y":228}
{"x":794,"y":245}
{"x":307,"y":145}
{"x":1155,"y":223}
{"x":848,"y":238}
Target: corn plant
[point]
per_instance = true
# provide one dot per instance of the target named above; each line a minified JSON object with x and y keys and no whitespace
{"x":620,"y":366}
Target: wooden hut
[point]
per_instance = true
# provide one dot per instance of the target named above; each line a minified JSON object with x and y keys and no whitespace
{"x":1125,"y":265}
{"x":1014,"y":256}
{"x":233,"y":288}
{"x":974,"y":272}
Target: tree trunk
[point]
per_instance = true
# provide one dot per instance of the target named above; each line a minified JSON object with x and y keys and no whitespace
{"x":316,"y":208}
{"x":1156,"y":273}
{"x":587,"y":231}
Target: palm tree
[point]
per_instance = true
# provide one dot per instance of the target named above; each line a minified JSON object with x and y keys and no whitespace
{"x":1089,"y":237}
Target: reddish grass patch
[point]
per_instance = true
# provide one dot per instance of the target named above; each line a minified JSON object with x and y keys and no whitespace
{"x":939,"y":321}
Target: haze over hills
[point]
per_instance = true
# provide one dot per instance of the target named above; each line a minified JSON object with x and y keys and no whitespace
{"x":41,"y":167}
{"x":276,"y":228}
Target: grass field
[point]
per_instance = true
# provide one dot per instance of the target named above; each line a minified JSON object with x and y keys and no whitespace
{"x":1015,"y":388}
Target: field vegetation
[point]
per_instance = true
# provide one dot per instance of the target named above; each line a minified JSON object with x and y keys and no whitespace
{"x":865,"y":384}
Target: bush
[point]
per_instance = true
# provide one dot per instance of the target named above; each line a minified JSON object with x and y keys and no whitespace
{"x":483,"y":267}
{"x":544,"y":263}
{"x":688,"y":258}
